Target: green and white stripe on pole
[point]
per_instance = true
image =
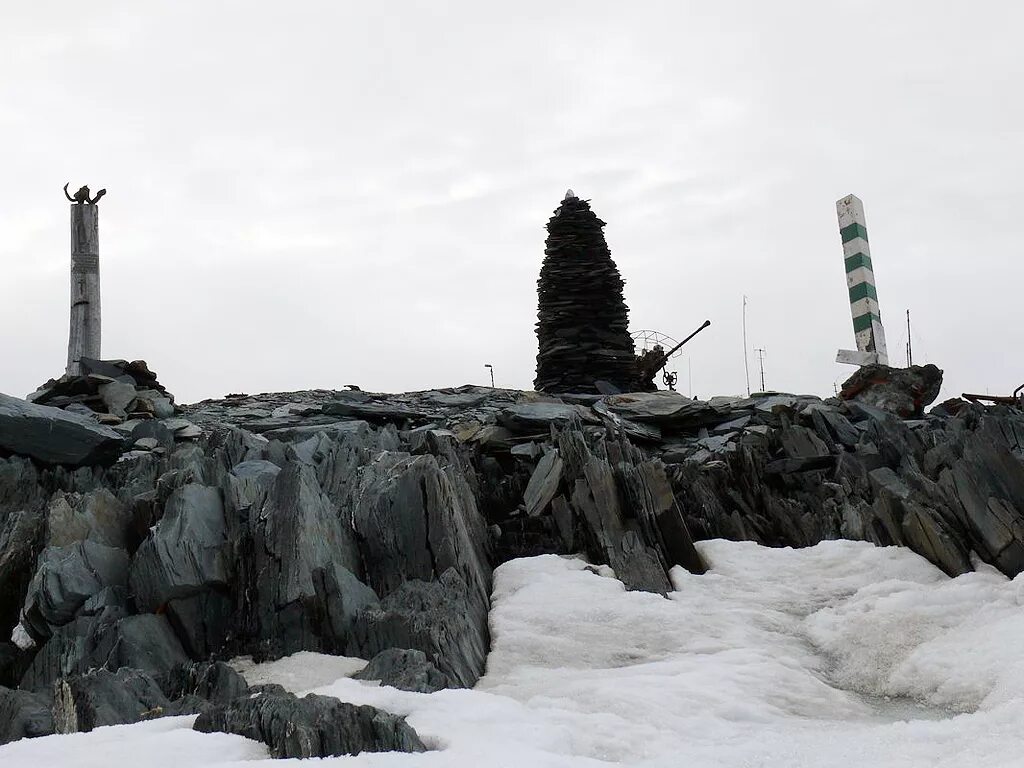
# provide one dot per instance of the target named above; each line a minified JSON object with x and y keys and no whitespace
{"x":860,"y":281}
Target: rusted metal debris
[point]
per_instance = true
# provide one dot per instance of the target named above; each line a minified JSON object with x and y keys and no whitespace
{"x":1015,"y":399}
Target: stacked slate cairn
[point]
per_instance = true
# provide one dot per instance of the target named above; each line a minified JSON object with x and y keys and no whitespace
{"x":582,"y":320}
{"x":111,"y":391}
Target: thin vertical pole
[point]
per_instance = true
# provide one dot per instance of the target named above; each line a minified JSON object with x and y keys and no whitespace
{"x":746,"y":366}
{"x":84,"y":333}
{"x":860,"y":278}
{"x":760,"y":356}
{"x":910,"y":349}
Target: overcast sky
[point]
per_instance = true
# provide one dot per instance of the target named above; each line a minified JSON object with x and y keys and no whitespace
{"x":313,"y":194}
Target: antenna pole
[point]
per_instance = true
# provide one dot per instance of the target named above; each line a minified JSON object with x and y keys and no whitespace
{"x":746,"y":366}
{"x":760,"y":356}
{"x":910,"y":349}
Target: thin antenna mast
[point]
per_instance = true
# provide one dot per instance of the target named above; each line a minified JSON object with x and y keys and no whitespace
{"x":910,"y":349}
{"x":746,"y":366}
{"x":760,"y":356}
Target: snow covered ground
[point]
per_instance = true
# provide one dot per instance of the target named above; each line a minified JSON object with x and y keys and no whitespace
{"x":840,"y":655}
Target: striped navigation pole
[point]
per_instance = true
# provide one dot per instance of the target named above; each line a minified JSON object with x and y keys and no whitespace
{"x":860,"y":280}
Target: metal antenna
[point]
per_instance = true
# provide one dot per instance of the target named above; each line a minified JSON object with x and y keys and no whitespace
{"x":760,"y":356}
{"x":910,"y":349}
{"x":746,"y":366}
{"x":491,"y":367}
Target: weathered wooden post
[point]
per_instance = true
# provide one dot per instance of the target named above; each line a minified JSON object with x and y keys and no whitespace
{"x":84,"y":335}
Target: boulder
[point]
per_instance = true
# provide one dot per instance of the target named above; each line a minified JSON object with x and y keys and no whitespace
{"x":52,"y":436}
{"x":405,"y":669}
{"x":97,"y":516}
{"x":445,"y":619}
{"x":65,"y":579}
{"x":212,"y":681}
{"x":902,"y":391}
{"x":187,"y":552}
{"x":24,"y":715}
{"x":101,"y":697}
{"x":313,"y":726}
{"x":105,"y":639}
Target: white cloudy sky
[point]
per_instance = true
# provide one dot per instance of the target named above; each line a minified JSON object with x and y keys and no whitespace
{"x":315,"y":194}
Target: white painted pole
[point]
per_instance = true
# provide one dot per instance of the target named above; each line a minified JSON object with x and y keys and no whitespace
{"x":84,"y":335}
{"x":860,"y":282}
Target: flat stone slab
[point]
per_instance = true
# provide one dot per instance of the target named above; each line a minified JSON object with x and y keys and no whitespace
{"x":53,"y":436}
{"x":660,"y":408}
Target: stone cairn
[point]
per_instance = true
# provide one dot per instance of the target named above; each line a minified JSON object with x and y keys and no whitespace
{"x":111,"y":391}
{"x":582,"y":320}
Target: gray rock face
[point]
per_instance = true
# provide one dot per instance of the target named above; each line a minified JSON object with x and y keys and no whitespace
{"x":66,"y":578}
{"x":446,"y":619}
{"x":97,"y":516}
{"x":415,"y":522}
{"x":24,"y":715}
{"x":350,"y":535}
{"x":52,"y":436}
{"x":187,"y":553}
{"x":407,"y":670}
{"x":109,"y":640}
{"x":299,"y":545}
{"x":84,"y":702}
{"x":313,"y":726}
{"x":212,"y":681}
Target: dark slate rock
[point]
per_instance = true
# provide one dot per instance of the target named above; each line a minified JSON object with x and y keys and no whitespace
{"x":445,"y":619}
{"x":405,"y":669}
{"x":988,"y":487}
{"x":611,"y":539}
{"x":155,"y":429}
{"x":24,"y":715}
{"x":313,"y":726}
{"x":66,"y":578}
{"x":375,"y":412}
{"x":543,"y":484}
{"x":667,"y":409}
{"x":533,"y":417}
{"x":416,"y":520}
{"x":187,"y":553}
{"x":296,"y":532}
{"x":22,"y":531}
{"x":101,"y":697}
{"x":212,"y":681}
{"x":204,"y":622}
{"x":97,"y":516}
{"x":109,"y":640}
{"x":52,"y":436}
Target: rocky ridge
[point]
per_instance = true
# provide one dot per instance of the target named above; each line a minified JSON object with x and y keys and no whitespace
{"x":369,"y":524}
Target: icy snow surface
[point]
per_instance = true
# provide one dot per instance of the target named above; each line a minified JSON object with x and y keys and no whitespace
{"x":839,"y":655}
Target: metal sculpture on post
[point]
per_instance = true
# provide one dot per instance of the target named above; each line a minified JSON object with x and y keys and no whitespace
{"x":84,"y":334}
{"x":860,"y":281}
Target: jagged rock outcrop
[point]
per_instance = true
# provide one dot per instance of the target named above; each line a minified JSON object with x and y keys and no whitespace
{"x":369,"y":524}
{"x":313,"y":726}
